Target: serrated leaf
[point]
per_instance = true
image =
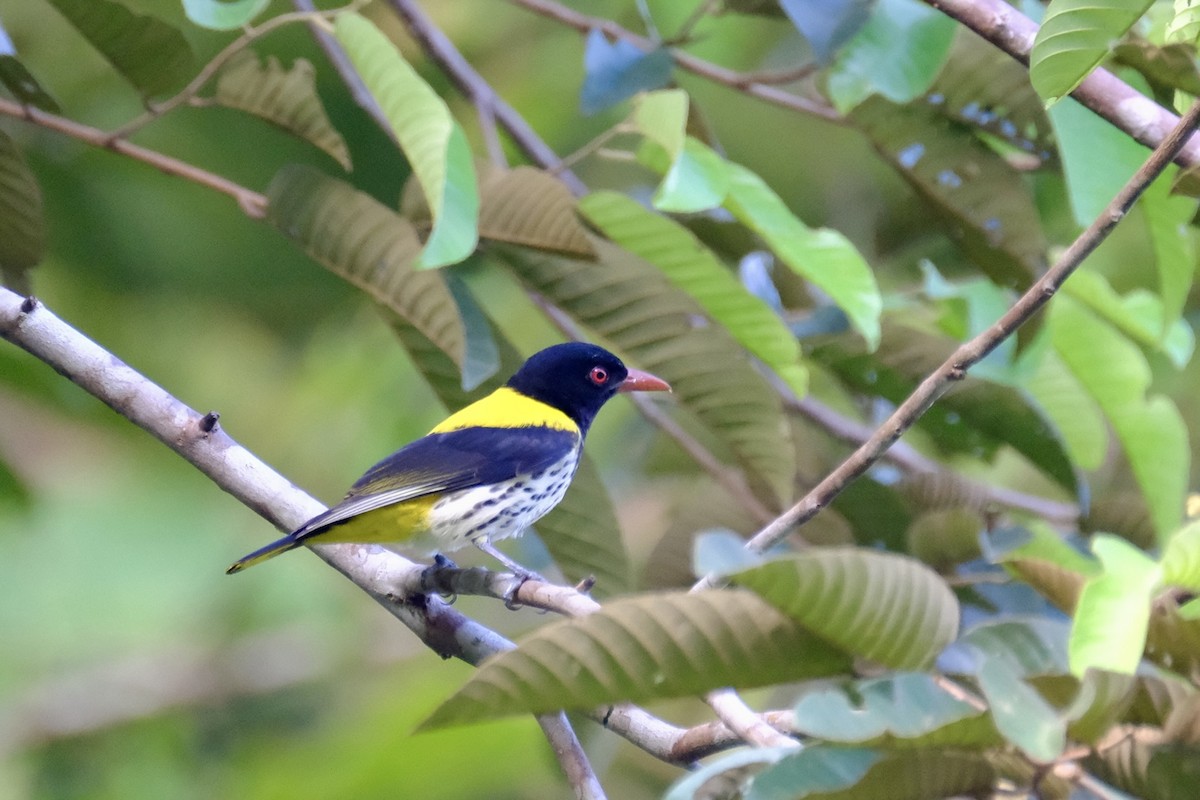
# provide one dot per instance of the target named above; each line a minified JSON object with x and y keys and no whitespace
{"x":640,"y":648}
{"x":529,"y":207}
{"x":1117,"y":376}
{"x":1075,"y":36}
{"x":882,"y":606}
{"x":695,"y":269}
{"x":287,"y":98}
{"x":1113,"y":612}
{"x":983,"y":87}
{"x":367,"y":244}
{"x":897,"y":54}
{"x":22,"y":225}
{"x":822,"y":256}
{"x":906,"y":710}
{"x":223,"y":15}
{"x":826,"y":24}
{"x":984,"y":200}
{"x":431,"y":140}
{"x":616,"y":71}
{"x":147,"y":52}
{"x":630,"y":303}
{"x":828,"y":773}
{"x":581,"y":533}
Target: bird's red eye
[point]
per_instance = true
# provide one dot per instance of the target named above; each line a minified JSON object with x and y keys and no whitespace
{"x":599,"y":376}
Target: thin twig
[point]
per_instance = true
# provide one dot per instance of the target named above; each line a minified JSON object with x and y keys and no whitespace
{"x":970,"y":353}
{"x":480,"y":92}
{"x":1101,"y":91}
{"x":697,"y":66}
{"x":156,"y":110}
{"x":252,"y":203}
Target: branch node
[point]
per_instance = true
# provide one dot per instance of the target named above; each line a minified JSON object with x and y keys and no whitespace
{"x":208,"y":423}
{"x":585,"y":585}
{"x":29,"y":304}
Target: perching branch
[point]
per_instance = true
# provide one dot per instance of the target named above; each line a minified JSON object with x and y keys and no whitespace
{"x":970,"y":353}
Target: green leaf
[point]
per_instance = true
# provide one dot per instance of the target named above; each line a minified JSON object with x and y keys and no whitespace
{"x":640,"y":648}
{"x":22,"y":225}
{"x":724,"y":770}
{"x":826,"y":26}
{"x":147,"y":52}
{"x":431,"y":140}
{"x":223,"y":15}
{"x":367,"y":244}
{"x":630,"y":303}
{"x":986,"y":203}
{"x":1139,"y":315}
{"x":822,"y":256}
{"x":828,"y":773}
{"x":20,"y":81}
{"x":1168,"y":219}
{"x":1135,"y":764}
{"x":695,"y":269}
{"x":1075,"y":36}
{"x":906,"y":710}
{"x":1097,"y":158}
{"x":695,"y":178}
{"x":581,"y":533}
{"x":1181,"y":558}
{"x":1151,"y":431}
{"x":529,"y":207}
{"x":882,"y":606}
{"x":897,"y":54}
{"x":481,"y":353}
{"x":946,"y":537}
{"x":1075,"y":415}
{"x":287,"y":98}
{"x":1113,"y":611}
{"x":1184,"y":27}
{"x":1168,"y":67}
{"x":985,"y":88}
{"x":1101,"y":702}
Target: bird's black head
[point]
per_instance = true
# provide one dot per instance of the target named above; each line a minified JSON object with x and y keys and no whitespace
{"x":578,"y":378}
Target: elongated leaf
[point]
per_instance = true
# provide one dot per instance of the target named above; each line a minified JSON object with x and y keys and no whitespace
{"x":984,"y":200}
{"x":827,"y":773}
{"x":1167,"y":221}
{"x":529,"y":207}
{"x":1097,"y":158}
{"x":897,"y":54}
{"x":639,"y":648}
{"x":1076,"y":417}
{"x":20,"y":81}
{"x":287,"y":98}
{"x":906,"y":710}
{"x":983,"y":87}
{"x":367,"y":244}
{"x":1138,"y":315}
{"x":631,"y":304}
{"x":1113,"y":611}
{"x":1117,"y":376}
{"x":694,"y":268}
{"x":695,"y":178}
{"x":1074,"y":38}
{"x":582,"y":533}
{"x":22,"y":226}
{"x":147,"y":52}
{"x":882,"y":606}
{"x":823,"y":256}
{"x":432,"y":141}
{"x":223,"y":15}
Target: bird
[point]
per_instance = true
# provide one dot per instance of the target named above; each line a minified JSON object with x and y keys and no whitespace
{"x":488,"y":471}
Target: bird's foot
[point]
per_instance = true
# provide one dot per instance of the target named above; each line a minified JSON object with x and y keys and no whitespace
{"x":435,"y":578}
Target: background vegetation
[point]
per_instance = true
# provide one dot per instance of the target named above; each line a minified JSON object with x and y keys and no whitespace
{"x":795,"y":212}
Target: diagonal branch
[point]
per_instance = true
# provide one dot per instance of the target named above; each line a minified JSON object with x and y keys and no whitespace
{"x":970,"y":353}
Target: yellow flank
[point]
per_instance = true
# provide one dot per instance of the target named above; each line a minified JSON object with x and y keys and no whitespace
{"x":399,"y":522}
{"x":506,"y":408}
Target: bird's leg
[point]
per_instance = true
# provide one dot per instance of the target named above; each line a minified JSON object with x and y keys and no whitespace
{"x":521,"y":572}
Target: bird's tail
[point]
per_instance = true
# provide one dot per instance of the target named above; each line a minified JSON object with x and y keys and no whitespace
{"x":263,"y":553}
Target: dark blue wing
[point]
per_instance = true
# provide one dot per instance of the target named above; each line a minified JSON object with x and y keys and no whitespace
{"x":446,"y":462}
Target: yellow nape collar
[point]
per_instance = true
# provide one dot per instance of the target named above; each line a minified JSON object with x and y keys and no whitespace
{"x":507,"y":408}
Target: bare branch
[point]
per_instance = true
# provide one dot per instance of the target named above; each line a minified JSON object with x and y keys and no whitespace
{"x":1101,"y":91}
{"x":962,"y":359}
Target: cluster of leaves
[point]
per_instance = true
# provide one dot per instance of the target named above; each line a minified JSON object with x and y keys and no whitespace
{"x":712,"y":282}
